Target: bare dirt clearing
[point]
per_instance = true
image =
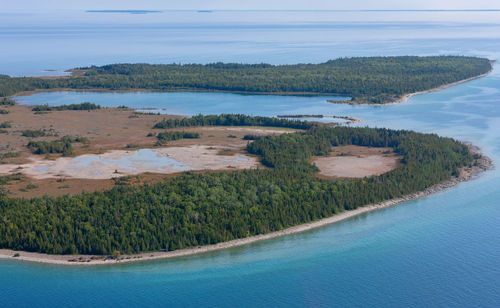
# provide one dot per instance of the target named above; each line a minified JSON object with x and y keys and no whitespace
{"x":356,"y":162}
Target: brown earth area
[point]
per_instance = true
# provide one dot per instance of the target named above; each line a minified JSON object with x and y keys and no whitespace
{"x":106,"y":129}
{"x":352,"y":161}
{"x":112,"y":131}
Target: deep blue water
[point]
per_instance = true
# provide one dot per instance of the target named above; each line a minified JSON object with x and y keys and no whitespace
{"x":443,"y":250}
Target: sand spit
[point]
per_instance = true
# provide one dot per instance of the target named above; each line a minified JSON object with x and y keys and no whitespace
{"x":406,"y":98}
{"x":481,"y":164}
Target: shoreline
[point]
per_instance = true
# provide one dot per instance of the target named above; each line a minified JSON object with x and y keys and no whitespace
{"x":349,"y":120}
{"x":178,"y":90}
{"x":481,"y":164}
{"x":406,"y":97}
{"x":347,"y":100}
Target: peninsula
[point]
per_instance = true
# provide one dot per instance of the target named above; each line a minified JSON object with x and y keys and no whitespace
{"x":174,"y":213}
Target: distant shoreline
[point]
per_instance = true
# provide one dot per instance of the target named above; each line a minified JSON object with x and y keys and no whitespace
{"x":405,"y":98}
{"x":348,"y":101}
{"x":482,"y":164}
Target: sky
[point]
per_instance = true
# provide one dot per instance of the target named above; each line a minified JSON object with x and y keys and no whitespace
{"x":248,"y":5}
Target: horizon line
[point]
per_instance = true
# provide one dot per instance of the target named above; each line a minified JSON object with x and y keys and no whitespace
{"x":297,"y":10}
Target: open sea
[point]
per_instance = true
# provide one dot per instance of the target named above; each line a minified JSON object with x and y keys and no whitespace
{"x":439,"y":251}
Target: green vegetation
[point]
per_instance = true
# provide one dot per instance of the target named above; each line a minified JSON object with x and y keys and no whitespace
{"x":51,"y":147}
{"x":232,"y":120}
{"x":6,"y":101}
{"x":82,"y":106}
{"x":5,"y":124}
{"x":4,"y":180}
{"x":62,"y":146}
{"x":8,"y":155}
{"x":251,"y":137}
{"x":371,"y":79}
{"x":169,"y":136}
{"x":200,"y":209}
{"x":33,"y":133}
{"x":3,"y":111}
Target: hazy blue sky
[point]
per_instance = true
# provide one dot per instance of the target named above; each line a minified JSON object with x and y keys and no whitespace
{"x":250,"y":4}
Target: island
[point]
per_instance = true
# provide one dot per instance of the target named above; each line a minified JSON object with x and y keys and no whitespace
{"x":365,"y":80}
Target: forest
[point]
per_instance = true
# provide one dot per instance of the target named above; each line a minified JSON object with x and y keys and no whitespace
{"x":232,"y":120}
{"x":201,"y":208}
{"x":81,"y":106}
{"x":366,"y":79}
{"x":165,"y":137}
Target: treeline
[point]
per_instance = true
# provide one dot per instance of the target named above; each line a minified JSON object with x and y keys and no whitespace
{"x":171,"y":136}
{"x":81,"y":106}
{"x":231,"y":120}
{"x":200,"y":209}
{"x":370,"y":79}
{"x":62,"y":146}
{"x":6,"y":101}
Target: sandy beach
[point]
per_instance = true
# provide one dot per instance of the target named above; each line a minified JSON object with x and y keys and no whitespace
{"x":406,"y":97}
{"x":481,"y":164}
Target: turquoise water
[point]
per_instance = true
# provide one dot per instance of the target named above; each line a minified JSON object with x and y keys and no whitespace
{"x":443,"y":250}
{"x":186,"y":103}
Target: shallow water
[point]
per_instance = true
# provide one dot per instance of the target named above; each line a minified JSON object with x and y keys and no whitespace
{"x":442,"y":250}
{"x":129,"y":161}
{"x":187,"y":103}
{"x":118,"y":163}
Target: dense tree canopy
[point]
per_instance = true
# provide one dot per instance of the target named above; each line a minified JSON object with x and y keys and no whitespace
{"x":232,"y":120}
{"x":199,"y":209}
{"x":370,"y":79}
{"x":81,"y":106}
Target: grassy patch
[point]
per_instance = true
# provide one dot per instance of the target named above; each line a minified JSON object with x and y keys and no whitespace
{"x":33,"y":133}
